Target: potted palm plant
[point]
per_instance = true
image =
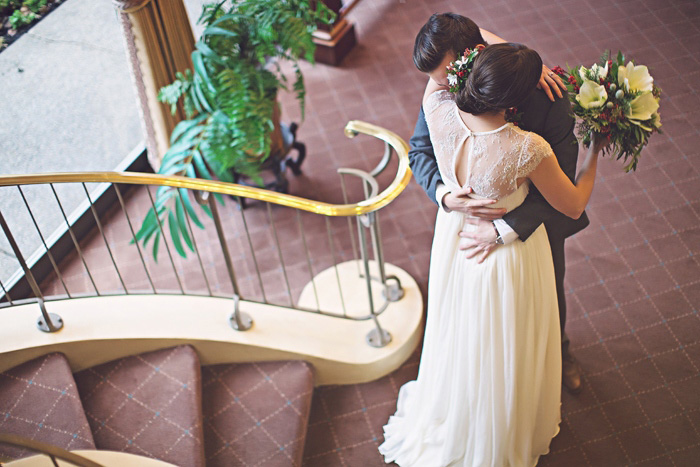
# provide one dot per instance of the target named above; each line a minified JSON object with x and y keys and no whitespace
{"x":229,"y":97}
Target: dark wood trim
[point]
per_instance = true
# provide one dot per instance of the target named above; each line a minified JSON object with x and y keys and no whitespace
{"x":335,"y":41}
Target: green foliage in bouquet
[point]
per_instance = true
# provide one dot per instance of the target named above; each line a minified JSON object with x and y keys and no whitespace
{"x":615,"y":99}
{"x":229,"y":98}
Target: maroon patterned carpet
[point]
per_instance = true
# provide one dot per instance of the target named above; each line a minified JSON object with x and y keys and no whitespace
{"x":633,"y":275}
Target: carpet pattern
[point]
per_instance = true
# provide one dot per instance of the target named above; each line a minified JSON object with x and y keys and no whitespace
{"x":633,"y":279}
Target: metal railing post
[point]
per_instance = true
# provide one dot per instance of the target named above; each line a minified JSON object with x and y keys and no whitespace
{"x":392,"y":292}
{"x":47,"y":322}
{"x":239,"y":321}
{"x":377,"y":337}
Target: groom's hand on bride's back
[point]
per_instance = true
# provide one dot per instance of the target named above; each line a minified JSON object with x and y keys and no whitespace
{"x":461,"y":202}
{"x":480,"y":241}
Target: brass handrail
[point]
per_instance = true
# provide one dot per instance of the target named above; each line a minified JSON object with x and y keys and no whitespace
{"x":401,"y":180}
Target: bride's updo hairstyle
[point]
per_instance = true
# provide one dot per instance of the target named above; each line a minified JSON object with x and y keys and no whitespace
{"x":503,"y":76}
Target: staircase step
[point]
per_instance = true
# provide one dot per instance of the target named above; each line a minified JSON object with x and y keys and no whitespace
{"x":148,"y":404}
{"x":39,"y":400}
{"x":256,"y":414}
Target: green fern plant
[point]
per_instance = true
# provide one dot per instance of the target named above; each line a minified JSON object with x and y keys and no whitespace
{"x":229,"y":98}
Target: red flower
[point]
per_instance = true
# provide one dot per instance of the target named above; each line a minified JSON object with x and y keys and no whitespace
{"x":572,"y":79}
{"x":559,"y":70}
{"x":460,"y":74}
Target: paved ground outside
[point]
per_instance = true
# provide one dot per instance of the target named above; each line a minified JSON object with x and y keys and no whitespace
{"x":67,"y":104}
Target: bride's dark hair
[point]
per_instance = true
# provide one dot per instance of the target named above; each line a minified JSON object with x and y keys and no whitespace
{"x":503,"y":76}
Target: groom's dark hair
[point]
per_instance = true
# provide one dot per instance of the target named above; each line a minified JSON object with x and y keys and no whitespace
{"x":443,"y":33}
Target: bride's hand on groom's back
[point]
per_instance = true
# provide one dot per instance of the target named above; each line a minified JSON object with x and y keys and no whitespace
{"x":549,"y":82}
{"x":461,"y":202}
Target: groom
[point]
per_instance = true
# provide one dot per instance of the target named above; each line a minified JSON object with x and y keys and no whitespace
{"x":441,"y":40}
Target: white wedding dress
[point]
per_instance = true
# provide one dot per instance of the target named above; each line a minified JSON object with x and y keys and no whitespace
{"x":489,"y":382}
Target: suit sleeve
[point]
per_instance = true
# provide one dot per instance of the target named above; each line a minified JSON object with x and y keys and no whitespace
{"x":422,"y":158}
{"x":558,"y":130}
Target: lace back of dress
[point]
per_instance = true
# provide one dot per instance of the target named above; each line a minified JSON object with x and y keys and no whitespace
{"x":496,"y":159}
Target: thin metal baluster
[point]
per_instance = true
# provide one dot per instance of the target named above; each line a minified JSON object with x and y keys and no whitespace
{"x":308,"y":259}
{"x":377,"y":240}
{"x":350,"y":229}
{"x":376,"y":245}
{"x":47,"y":322}
{"x":335,"y":265}
{"x":369,"y":217}
{"x":104,"y":237}
{"x":394,"y":292}
{"x":75,"y":240}
{"x":162,"y":233}
{"x":133,"y":235}
{"x":238,"y":320}
{"x":48,"y":251}
{"x":279,"y":251}
{"x":377,"y":337}
{"x":252,"y":250}
{"x":361,"y":238}
{"x":194,"y":243}
{"x":6,"y":293}
{"x":53,"y":460}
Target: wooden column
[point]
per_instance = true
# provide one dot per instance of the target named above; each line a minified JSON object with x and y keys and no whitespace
{"x":334,"y":42}
{"x":159,"y":42}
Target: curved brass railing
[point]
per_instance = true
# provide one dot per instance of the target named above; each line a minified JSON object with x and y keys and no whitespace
{"x":401,"y":180}
{"x":365,"y":213}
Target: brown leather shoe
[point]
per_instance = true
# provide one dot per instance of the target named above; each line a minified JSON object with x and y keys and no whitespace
{"x":571,"y":375}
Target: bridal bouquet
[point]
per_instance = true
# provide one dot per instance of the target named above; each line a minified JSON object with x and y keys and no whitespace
{"x":617,"y":100}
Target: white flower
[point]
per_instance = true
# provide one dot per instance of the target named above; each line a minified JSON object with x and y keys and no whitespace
{"x":452,"y":80}
{"x":591,"y":95}
{"x":582,"y":73}
{"x":599,"y":72}
{"x":635,"y":78}
{"x":642,"y":107}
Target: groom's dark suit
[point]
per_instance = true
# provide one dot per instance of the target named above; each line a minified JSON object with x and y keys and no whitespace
{"x":555,"y":123}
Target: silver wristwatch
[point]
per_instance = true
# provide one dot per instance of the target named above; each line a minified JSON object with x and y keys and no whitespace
{"x":499,"y":239}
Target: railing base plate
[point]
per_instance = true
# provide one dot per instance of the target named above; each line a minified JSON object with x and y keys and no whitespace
{"x":393,"y":292}
{"x":56,"y":321}
{"x":378,"y":340}
{"x":243,"y":323}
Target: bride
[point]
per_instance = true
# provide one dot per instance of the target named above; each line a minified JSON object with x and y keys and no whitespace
{"x":489,"y":381}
